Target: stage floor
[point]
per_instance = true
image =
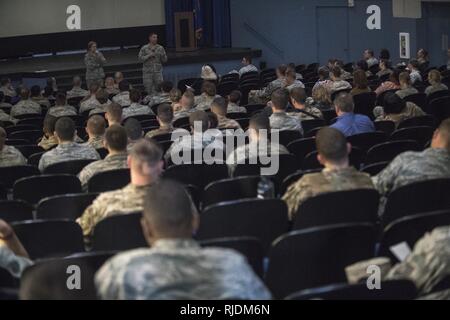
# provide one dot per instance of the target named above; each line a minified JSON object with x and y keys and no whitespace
{"x":116,"y":60}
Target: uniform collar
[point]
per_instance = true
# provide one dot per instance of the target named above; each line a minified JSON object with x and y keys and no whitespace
{"x":169,"y":244}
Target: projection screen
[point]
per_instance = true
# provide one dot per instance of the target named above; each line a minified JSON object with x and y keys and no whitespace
{"x":25,"y":17}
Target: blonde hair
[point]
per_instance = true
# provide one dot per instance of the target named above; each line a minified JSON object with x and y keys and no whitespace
{"x":434,"y":77}
{"x":321,"y":94}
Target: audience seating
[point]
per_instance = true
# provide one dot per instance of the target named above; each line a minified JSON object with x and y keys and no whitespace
{"x":302,"y":147}
{"x":389,"y":150}
{"x":436,"y":95}
{"x":318,"y":256}
{"x":34,"y":189}
{"x":312,"y":133}
{"x":181,"y":123}
{"x":423,"y":196}
{"x":439,"y":108}
{"x":197,"y":174}
{"x":3,"y":193}
{"x":18,"y":128}
{"x":365,"y":141}
{"x":15,"y":210}
{"x":410,"y":229}
{"x":375,"y":168}
{"x":119,"y":233}
{"x":264,"y":219}
{"x":427,"y":121}
{"x":33,"y":121}
{"x":162,"y":137}
{"x":354,"y":206}
{"x":390,"y":290}
{"x":67,"y":167}
{"x":310,"y":162}
{"x":6,"y":281}
{"x":311,"y":124}
{"x":419,"y":99}
{"x":109,"y":180}
{"x":31,"y":136}
{"x":28,"y":150}
{"x":288,"y":136}
{"x":386,"y":126}
{"x":9,"y":175}
{"x":249,"y":247}
{"x":103,"y":152}
{"x":291,"y":179}
{"x":252,"y":108}
{"x":34,"y":159}
{"x":45,"y":239}
{"x":365,"y":103}
{"x":420,"y":134}
{"x":68,"y":206}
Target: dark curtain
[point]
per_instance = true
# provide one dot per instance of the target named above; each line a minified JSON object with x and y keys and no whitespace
{"x":213,"y":16}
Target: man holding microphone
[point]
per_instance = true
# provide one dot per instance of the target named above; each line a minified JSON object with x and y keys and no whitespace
{"x":152,"y":56}
{"x":94,"y":61}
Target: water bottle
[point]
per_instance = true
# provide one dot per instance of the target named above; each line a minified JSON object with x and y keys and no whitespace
{"x":266,"y":189}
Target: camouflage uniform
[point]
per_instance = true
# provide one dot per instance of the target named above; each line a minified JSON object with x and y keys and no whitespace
{"x":129,"y":199}
{"x":123,"y":99}
{"x":183,"y":113}
{"x":203,"y":102}
{"x":94,"y":68}
{"x":410,"y":167}
{"x":41,"y":101}
{"x":89,"y":104}
{"x":136,"y":109}
{"x":99,"y":109}
{"x":435,"y":88}
{"x":12,"y":263}
{"x":152,"y":57}
{"x":48,"y":143}
{"x":67,"y":152}
{"x":403,"y":93}
{"x":326,"y":181}
{"x":225,"y":123}
{"x":8,"y":91}
{"x":96,"y":142}
{"x":338,"y":85}
{"x":25,"y":107}
{"x":234,"y":108}
{"x":176,"y":269}
{"x":296,"y":84}
{"x":263,"y":96}
{"x":10,"y":156}
{"x":247,"y":69}
{"x":411,"y":111}
{"x":77,"y":92}
{"x":428,"y":264}
{"x":6,"y":117}
{"x":62,"y":111}
{"x":282,"y":121}
{"x":157,"y":99}
{"x":309,"y":113}
{"x":113,"y":162}
{"x":162,"y":130}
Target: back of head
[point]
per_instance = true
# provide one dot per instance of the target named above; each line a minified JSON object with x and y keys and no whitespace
{"x":344,"y":102}
{"x":49,"y":124}
{"x":370,"y":52}
{"x":65,"y":129}
{"x":321,"y":94}
{"x":2,"y":138}
{"x":175,"y":95}
{"x":114,"y":112}
{"x":444,"y":133}
{"x":61,"y":99}
{"x":146,"y":155}
{"x":291,"y":75}
{"x":168,"y":209}
{"x":280,"y":99}
{"x":209,"y":88}
{"x":404,"y":78}
{"x":166,"y":86}
{"x":188,"y":98}
{"x":102,"y":96}
{"x":134,"y":129}
{"x":395,"y":76}
{"x":248,"y":58}
{"x":96,"y":125}
{"x":77,"y":81}
{"x":259,"y":122}
{"x":235,"y":96}
{"x":434,"y":76}
{"x":393,"y":104}
{"x":298,"y":95}
{"x":116,"y":138}
{"x":323,"y":73}
{"x":362,"y":64}
{"x":94,"y":87}
{"x":281,"y":70}
{"x":165,"y":113}
{"x":124,"y":86}
{"x":48,"y":91}
{"x":135,"y":95}
{"x":24,"y":93}
{"x":213,"y":120}
{"x":35,"y":91}
{"x":331,"y":145}
{"x":219,"y":106}
{"x":360,"y":79}
{"x":199,"y":119}
{"x":336,"y":72}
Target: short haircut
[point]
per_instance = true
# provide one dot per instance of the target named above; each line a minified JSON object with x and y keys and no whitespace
{"x":4,"y":81}
{"x":199,"y":116}
{"x":168,"y":208}
{"x":360,"y":79}
{"x":49,"y":124}
{"x":91,"y":44}
{"x":370,"y":52}
{"x":404,"y":77}
{"x":291,"y":74}
{"x":209,"y":88}
{"x":124,"y":85}
{"x":65,"y":129}
{"x":102,"y":96}
{"x":166,"y":86}
{"x":331,"y":144}
{"x":444,"y":132}
{"x":336,"y":72}
{"x":434,"y":76}
{"x":344,"y":102}
{"x":116,"y":138}
{"x":134,"y":129}
{"x":298,"y":95}
{"x":259,"y":122}
{"x":24,"y":93}
{"x":94,"y":87}
{"x":96,"y":125}
{"x":147,"y":151}
{"x":61,"y":99}
{"x":393,"y":104}
{"x":190,"y":96}
{"x":280,"y":99}
{"x":220,"y":105}
{"x":213,"y":120}
{"x":135,"y":95}
{"x":165,"y":113}
{"x":114,"y":111}
{"x":235,"y":96}
{"x":35,"y":91}
{"x":323,"y":72}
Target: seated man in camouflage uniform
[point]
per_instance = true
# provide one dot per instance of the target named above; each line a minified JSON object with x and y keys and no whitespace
{"x":102,"y":102}
{"x":9,"y":156}
{"x":187,"y":103}
{"x":114,"y":114}
{"x":176,"y":266}
{"x":233,"y":102}
{"x":95,"y":128}
{"x":67,"y":149}
{"x":263,"y":95}
{"x":303,"y":111}
{"x":90,"y":101}
{"x":116,"y":143}
{"x":77,"y":91}
{"x":410,"y":167}
{"x":25,"y":105}
{"x":61,"y":109}
{"x":209,"y":93}
{"x":136,"y":109}
{"x":123,"y":98}
{"x":165,"y":118}
{"x":134,"y":132}
{"x":163,"y":96}
{"x":280,"y":120}
{"x":219,"y":108}
{"x":338,"y":175}
{"x":259,"y":131}
{"x":146,"y":166}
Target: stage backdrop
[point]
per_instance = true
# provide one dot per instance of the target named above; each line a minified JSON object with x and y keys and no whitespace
{"x":25,"y":17}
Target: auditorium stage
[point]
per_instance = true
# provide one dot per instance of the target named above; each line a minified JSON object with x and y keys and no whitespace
{"x":117,"y":60}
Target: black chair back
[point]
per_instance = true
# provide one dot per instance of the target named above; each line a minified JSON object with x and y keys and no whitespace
{"x":288,"y":136}
{"x":69,"y":206}
{"x":311,"y":124}
{"x":15,"y":210}
{"x":32,"y":136}
{"x":385,"y":126}
{"x":199,"y":175}
{"x":375,"y":168}
{"x":365,"y":103}
{"x":67,"y":167}
{"x":9,"y":175}
{"x":109,"y":180}
{"x":302,"y":147}
{"x":439,"y":108}
{"x":419,"y":99}
{"x":420,"y":134}
{"x":427,"y":121}
{"x":365,"y":141}
{"x":389,"y":150}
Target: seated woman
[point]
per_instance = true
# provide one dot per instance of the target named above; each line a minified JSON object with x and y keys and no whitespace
{"x":392,"y":84}
{"x":397,"y":110}
{"x":434,"y":78}
{"x":321,"y":99}
{"x":360,"y":83}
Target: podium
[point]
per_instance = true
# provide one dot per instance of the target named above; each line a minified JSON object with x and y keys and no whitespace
{"x":184,"y":32}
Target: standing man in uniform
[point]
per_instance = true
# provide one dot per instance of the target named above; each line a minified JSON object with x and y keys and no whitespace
{"x":94,"y":61}
{"x":152,"y":56}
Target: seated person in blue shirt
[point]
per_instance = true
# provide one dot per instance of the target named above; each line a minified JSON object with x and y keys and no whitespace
{"x":348,"y":122}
